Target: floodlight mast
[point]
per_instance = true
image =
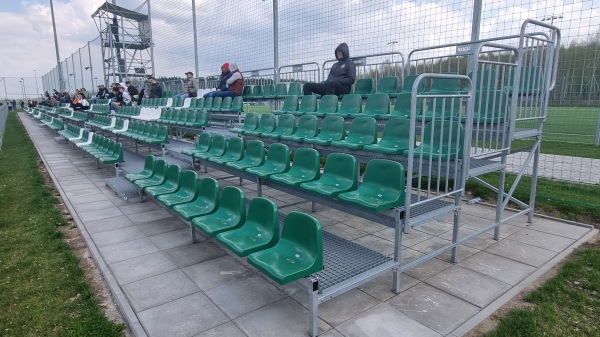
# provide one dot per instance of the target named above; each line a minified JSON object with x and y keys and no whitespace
{"x":60,"y":77}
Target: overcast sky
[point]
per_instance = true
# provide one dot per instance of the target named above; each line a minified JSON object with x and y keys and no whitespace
{"x":240,"y":31}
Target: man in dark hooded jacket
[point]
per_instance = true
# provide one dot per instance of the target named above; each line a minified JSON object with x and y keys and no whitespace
{"x":341,"y":76}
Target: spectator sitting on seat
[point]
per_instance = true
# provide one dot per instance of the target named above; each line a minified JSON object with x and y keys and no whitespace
{"x":101,"y":94}
{"x":155,"y":90}
{"x":122,"y":98}
{"x":22,"y":104}
{"x":225,"y":75}
{"x":341,"y":76}
{"x":189,"y":87}
{"x":80,"y":103}
{"x":132,"y":91}
{"x":235,"y":84}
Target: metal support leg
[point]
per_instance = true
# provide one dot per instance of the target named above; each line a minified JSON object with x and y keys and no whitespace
{"x":241,"y":181}
{"x":258,"y":187}
{"x":117,"y":169}
{"x":164,"y":149}
{"x":313,"y":305}
{"x":193,"y":233}
{"x":534,"y":178}
{"x":97,"y":163}
{"x":136,"y":146}
{"x":314,"y":207}
{"x":455,"y":232}
{"x":397,"y":250}
{"x":500,"y":200}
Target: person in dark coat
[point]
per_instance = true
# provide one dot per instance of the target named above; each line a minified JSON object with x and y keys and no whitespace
{"x":341,"y":76}
{"x":155,"y":88}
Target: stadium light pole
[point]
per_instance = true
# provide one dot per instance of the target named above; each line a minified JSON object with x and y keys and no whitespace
{"x":37,"y":88}
{"x":393,"y":45}
{"x":60,"y":76}
{"x":22,"y":81}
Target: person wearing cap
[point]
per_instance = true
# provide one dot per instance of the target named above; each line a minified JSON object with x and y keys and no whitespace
{"x":189,"y":87}
{"x":235,"y":84}
{"x":225,"y":75}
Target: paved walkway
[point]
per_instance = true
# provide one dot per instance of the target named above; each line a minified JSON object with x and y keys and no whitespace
{"x":166,"y":286}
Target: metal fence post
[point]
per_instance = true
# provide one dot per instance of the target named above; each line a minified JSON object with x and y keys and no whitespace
{"x":597,"y":138}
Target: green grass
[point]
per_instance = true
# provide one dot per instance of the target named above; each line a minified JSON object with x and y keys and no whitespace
{"x":43,"y":291}
{"x":566,"y":305}
{"x":577,"y":202}
{"x":561,"y":148}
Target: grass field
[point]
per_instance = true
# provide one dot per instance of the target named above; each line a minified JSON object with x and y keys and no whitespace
{"x":569,"y":124}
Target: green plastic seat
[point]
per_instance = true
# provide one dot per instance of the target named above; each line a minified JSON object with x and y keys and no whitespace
{"x":490,"y":106}
{"x":234,"y":152}
{"x":256,"y":92}
{"x":377,"y":105}
{"x":216,"y":104}
{"x":388,"y":85}
{"x":298,"y":253}
{"x":217,"y":148}
{"x":286,"y":126}
{"x":266,"y":125}
{"x":382,"y":187}
{"x":363,"y":131}
{"x":486,"y":80}
{"x":208,"y":103}
{"x":203,"y":145}
{"x":268,"y":91}
{"x":250,"y":123}
{"x":280,"y":90}
{"x":444,"y":85}
{"x":188,"y":191}
{"x":247,"y":91}
{"x":159,"y":176}
{"x":363,"y":87}
{"x":307,"y":105}
{"x":441,"y":140}
{"x":199,"y":103}
{"x":307,"y":128}
{"x":306,"y":167}
{"x":402,"y":107}
{"x":230,"y":215}
{"x":170,"y":185}
{"x":206,"y":202}
{"x":115,"y":157}
{"x":174,"y":118}
{"x":290,"y":104}
{"x":192,"y":118}
{"x":254,"y":156}
{"x":183,"y":117}
{"x":259,"y":231}
{"x":333,"y":129}
{"x":237,"y":105}
{"x":351,"y":105}
{"x":226,"y":104}
{"x":328,"y":105}
{"x":339,"y":175}
{"x":295,"y":88}
{"x":278,"y":161}
{"x":442,"y":108}
{"x":202,"y":119}
{"x":395,"y":138}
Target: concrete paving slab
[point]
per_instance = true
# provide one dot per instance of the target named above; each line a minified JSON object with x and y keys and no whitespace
{"x":117,"y":235}
{"x":377,"y":244}
{"x":94,"y":205}
{"x":384,"y":321}
{"x":141,"y":267}
{"x":161,"y":226}
{"x":140,"y":207}
{"x":214,"y":272}
{"x":158,"y":214}
{"x":242,"y":296}
{"x":433,"y":308}
{"x":559,"y":228}
{"x":187,"y":316}
{"x":480,"y":242}
{"x":68,"y":187}
{"x":172,"y":239}
{"x":81,"y":193}
{"x":497,"y":267}
{"x":381,"y":287}
{"x":159,"y":289}
{"x":108,"y":224}
{"x":228,"y":329}
{"x":468,"y":285}
{"x":87,"y":198}
{"x":191,"y":254}
{"x":521,"y":252}
{"x":435,"y":228}
{"x":345,"y":231}
{"x":127,"y":250}
{"x":99,"y":214}
{"x":282,"y":318}
{"x":543,"y":240}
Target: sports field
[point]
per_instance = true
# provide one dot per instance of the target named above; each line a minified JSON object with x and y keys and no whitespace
{"x":569,"y":124}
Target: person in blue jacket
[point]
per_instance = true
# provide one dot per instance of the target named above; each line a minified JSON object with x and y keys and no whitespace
{"x":341,"y":76}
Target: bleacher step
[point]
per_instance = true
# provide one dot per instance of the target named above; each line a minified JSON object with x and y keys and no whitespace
{"x":123,"y":187}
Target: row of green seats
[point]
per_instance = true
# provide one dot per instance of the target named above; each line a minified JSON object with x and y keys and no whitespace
{"x":102,"y":101}
{"x":128,"y":111}
{"x":100,"y":109}
{"x":442,"y":139}
{"x":270,"y":91}
{"x":78,"y":116}
{"x":220,"y":104}
{"x":105,"y":150}
{"x":119,"y":125}
{"x":296,"y":253}
{"x":147,"y":132}
{"x":100,"y":121}
{"x":71,"y":131}
{"x":183,"y":117}
{"x":55,"y":124}
{"x":377,"y":106}
{"x":154,"y":102}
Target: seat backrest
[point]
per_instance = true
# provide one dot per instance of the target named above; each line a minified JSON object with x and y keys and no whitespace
{"x":193,"y":116}
{"x":183,"y":116}
{"x":386,"y":178}
{"x":308,"y":125}
{"x":309,"y":103}
{"x":202,"y":117}
{"x":160,"y":169}
{"x":486,"y":80}
{"x":263,"y":212}
{"x":226,"y":103}
{"x":219,"y":144}
{"x":443,"y":107}
{"x":175,"y":115}
{"x":149,"y":163}
{"x":334,"y":127}
{"x":287,"y":124}
{"x":364,"y":86}
{"x":328,"y":104}
{"x":351,"y":104}
{"x":490,"y":105}
{"x":388,"y":85}
{"x":173,"y":175}
{"x":168,"y":114}
{"x":377,"y":104}
{"x":445,"y":85}
{"x":217,"y":102}
{"x":190,"y":185}
{"x":268,"y":90}
{"x":295,"y":89}
{"x":408,"y":83}
{"x":306,"y":232}
{"x":267,"y":122}
{"x":281,"y":89}
{"x":208,"y":103}
{"x":444,"y":136}
{"x":257,"y":90}
{"x":232,"y":199}
{"x":363,"y":129}
{"x":237,"y":104}
{"x":247,"y":91}
{"x":200,"y":103}
{"x":309,"y":160}
{"x":279,"y":153}
{"x":204,"y":140}
{"x":209,"y":190}
{"x":251,"y":121}
{"x":235,"y":145}
{"x":193,"y":102}
{"x":290,"y":103}
{"x":255,"y":149}
{"x":397,"y":130}
{"x":343,"y":166}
